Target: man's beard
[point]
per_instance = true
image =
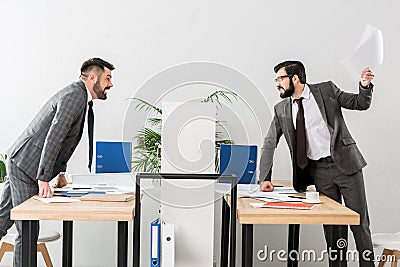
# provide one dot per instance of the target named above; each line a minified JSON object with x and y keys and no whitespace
{"x":100,"y":93}
{"x":288,"y":92}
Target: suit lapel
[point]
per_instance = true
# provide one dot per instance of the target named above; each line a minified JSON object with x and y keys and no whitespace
{"x":287,"y":114}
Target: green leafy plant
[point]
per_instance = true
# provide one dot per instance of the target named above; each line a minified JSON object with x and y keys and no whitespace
{"x":3,"y":171}
{"x":148,"y":139}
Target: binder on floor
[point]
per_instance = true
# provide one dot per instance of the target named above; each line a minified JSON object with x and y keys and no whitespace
{"x":113,"y":157}
{"x":167,"y":244}
{"x":155,"y":235}
{"x":240,"y":160}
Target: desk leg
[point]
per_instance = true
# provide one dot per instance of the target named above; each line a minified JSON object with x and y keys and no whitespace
{"x":136,"y":239}
{"x":224,"y":234}
{"x":29,"y":246}
{"x":247,"y":245}
{"x":67,"y":244}
{"x":122,"y":244}
{"x":293,"y":245}
{"x":232,"y":248}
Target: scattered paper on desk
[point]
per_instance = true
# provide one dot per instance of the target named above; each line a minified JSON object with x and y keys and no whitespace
{"x":120,"y":193}
{"x":369,"y":52}
{"x":285,"y":190}
{"x":81,"y":189}
{"x":108,"y":197}
{"x":277,"y":199}
{"x":273,"y":196}
{"x":57,"y":199}
{"x":253,"y":190}
{"x":283,"y":205}
{"x":249,"y":190}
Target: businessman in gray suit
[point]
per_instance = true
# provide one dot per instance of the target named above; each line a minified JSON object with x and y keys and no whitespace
{"x":322,"y":149}
{"x":42,"y":151}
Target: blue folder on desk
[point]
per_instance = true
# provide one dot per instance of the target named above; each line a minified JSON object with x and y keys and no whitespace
{"x":240,"y":160}
{"x":113,"y":157}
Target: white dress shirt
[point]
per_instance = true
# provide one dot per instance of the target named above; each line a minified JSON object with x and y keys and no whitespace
{"x":89,"y":96}
{"x":318,"y":138}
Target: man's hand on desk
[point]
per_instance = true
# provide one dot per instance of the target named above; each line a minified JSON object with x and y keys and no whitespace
{"x":44,"y":189}
{"x":60,"y":181}
{"x":266,"y":186}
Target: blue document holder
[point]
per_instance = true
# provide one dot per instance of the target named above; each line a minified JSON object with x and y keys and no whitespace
{"x":240,"y":160}
{"x":113,"y":157}
{"x":155,"y":238}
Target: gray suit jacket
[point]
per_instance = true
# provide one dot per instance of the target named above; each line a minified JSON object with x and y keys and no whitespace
{"x":44,"y":148}
{"x":344,"y":151}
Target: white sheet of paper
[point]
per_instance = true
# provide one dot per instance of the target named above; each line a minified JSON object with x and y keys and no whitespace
{"x":281,"y":199}
{"x":57,"y":199}
{"x":285,"y":190}
{"x":256,"y":204}
{"x":368,"y":53}
{"x":253,"y":190}
{"x":81,"y":188}
{"x":273,"y":197}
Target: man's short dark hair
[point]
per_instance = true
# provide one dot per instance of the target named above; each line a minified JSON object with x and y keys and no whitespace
{"x":293,"y":67}
{"x":95,"y":63}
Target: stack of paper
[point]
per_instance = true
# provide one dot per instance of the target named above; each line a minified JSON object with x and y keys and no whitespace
{"x":81,"y":190}
{"x":283,"y":205}
{"x":108,"y":197}
{"x":57,"y":199}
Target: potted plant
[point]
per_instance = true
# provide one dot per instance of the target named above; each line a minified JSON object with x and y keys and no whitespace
{"x":148,"y":139}
{"x":3,"y":170}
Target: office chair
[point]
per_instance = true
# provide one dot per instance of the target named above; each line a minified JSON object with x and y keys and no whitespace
{"x":380,"y":239}
{"x":44,"y":237}
{"x":390,"y":243}
{"x":391,"y":251}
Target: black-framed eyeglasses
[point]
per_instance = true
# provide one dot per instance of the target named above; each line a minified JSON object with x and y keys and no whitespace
{"x":280,"y":78}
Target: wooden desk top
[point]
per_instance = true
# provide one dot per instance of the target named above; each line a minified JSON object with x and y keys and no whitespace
{"x":76,"y":211}
{"x":327,"y":212}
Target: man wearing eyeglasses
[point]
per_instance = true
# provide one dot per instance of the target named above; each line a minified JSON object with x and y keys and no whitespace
{"x":322,"y":149}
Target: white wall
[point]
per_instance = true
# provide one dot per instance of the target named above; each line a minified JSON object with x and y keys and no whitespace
{"x":43,"y":44}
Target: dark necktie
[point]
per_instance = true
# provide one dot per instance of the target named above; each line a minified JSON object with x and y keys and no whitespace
{"x":301,"y":152}
{"x":90,"y":132}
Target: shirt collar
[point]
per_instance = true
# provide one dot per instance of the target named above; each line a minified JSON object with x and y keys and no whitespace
{"x":89,"y":95}
{"x":305,"y":94}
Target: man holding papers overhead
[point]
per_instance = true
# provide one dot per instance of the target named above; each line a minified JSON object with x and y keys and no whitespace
{"x":322,"y":150}
{"x":42,"y":151}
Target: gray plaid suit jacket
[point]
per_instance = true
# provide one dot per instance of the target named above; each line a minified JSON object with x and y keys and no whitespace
{"x":44,"y":148}
{"x":344,"y":151}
